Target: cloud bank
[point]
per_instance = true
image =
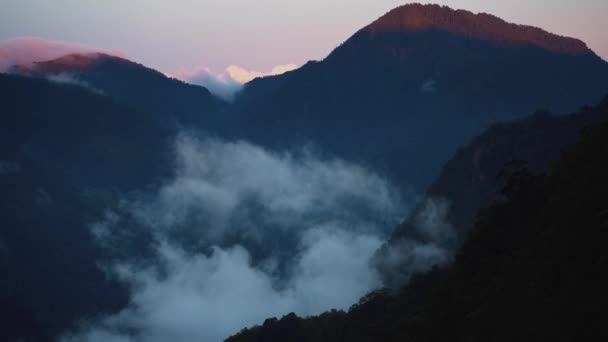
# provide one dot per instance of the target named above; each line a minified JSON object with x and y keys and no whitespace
{"x":226,"y":84}
{"x":27,"y":50}
{"x":242,"y":234}
{"x":430,"y":240}
{"x":73,"y":79}
{"x":9,"y":167}
{"x":242,"y":75}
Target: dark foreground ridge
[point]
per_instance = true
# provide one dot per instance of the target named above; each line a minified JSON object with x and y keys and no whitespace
{"x":472,"y":179}
{"x":533,"y":268}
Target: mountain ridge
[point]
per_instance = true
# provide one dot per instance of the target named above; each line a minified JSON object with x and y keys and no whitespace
{"x":170,"y":101}
{"x":418,"y":17}
{"x":395,"y":85}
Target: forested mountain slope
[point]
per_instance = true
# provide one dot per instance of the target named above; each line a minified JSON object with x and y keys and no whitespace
{"x":402,"y":93}
{"x":533,"y":268}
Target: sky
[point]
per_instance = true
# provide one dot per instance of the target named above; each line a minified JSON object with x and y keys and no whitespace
{"x":190,"y":35}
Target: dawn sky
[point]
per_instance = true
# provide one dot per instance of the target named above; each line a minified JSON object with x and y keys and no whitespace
{"x":260,"y":34}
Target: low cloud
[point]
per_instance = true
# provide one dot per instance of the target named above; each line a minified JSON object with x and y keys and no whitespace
{"x":428,"y":86}
{"x":226,"y":187}
{"x":193,"y":297}
{"x":72,"y":79}
{"x":431,"y":222}
{"x":27,"y":50}
{"x":227,"y":83}
{"x":243,"y":75}
{"x":429,"y":240}
{"x":242,"y":234}
{"x":8,"y":167}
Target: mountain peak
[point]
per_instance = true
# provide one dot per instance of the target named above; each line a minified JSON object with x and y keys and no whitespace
{"x":81,"y":61}
{"x":417,"y":18}
{"x":73,"y":62}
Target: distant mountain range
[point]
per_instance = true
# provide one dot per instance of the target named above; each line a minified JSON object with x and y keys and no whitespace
{"x":399,"y":97}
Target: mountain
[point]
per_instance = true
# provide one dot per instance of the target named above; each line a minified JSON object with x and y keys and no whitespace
{"x":171,"y":101}
{"x":475,"y":176}
{"x":402,"y":93}
{"x":66,"y":154}
{"x":82,"y":133}
{"x":533,"y":268}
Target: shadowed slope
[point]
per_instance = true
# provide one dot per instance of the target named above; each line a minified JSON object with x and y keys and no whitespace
{"x":534,"y":268}
{"x":474,"y":177}
{"x":404,"y":92}
{"x":170,"y":101}
{"x":65,"y":155}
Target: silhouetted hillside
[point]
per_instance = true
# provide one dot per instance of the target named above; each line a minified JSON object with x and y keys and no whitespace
{"x":170,"y":100}
{"x":402,"y":93}
{"x":64,"y":127}
{"x":65,"y":154}
{"x":473,"y":178}
{"x":533,"y":269}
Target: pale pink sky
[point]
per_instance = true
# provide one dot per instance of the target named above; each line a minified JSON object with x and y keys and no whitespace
{"x":257,"y":34}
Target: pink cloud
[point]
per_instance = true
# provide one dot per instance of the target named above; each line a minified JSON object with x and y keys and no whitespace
{"x":220,"y":85}
{"x":27,"y":50}
{"x":227,"y":83}
{"x":243,"y":75}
